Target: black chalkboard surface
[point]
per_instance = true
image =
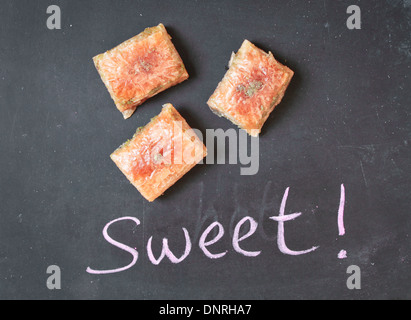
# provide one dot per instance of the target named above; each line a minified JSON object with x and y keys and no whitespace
{"x":335,"y":150}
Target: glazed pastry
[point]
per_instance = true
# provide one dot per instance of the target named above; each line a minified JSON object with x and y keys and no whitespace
{"x":160,"y":153}
{"x":253,"y":86}
{"x":139,"y":68}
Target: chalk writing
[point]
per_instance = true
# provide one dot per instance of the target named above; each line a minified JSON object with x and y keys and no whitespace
{"x":280,"y":236}
{"x":205,"y":243}
{"x":236,"y":240}
{"x":341,"y":227}
{"x":167,"y":252}
{"x":340,"y":221}
{"x":119,"y":245}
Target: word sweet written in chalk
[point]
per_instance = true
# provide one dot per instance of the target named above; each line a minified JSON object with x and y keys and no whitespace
{"x":205,"y":242}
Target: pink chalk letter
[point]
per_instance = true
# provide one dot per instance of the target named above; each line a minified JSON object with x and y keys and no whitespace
{"x":236,"y":239}
{"x":341,"y":228}
{"x":203,"y":244}
{"x":119,"y":245}
{"x":166,"y":250}
{"x":280,"y":235}
{"x":342,"y":254}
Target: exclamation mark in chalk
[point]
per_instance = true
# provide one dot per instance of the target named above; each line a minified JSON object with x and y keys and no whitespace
{"x":341,"y":229}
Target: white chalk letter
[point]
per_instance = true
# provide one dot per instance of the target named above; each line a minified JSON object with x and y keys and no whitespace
{"x":236,"y":239}
{"x":119,"y":245}
{"x":203,"y":243}
{"x":280,"y":235}
{"x":166,"y":250}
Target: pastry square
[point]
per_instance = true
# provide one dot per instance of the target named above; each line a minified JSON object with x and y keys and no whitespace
{"x":139,"y":68}
{"x":160,"y":153}
{"x":252,"y":87}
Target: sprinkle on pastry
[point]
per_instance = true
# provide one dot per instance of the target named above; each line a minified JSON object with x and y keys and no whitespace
{"x":160,"y":153}
{"x":139,"y":68}
{"x":254,"y":84}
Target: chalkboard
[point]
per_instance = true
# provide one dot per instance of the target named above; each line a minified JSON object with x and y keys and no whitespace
{"x":334,"y":155}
